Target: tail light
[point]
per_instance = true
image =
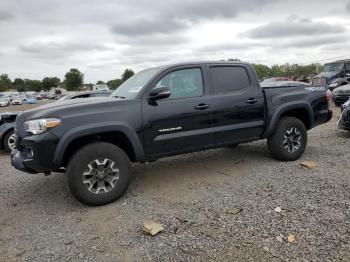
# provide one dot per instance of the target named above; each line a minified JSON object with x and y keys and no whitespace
{"x":329,"y":95}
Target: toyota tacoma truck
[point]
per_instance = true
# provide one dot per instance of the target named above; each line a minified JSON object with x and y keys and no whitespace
{"x":161,"y":112}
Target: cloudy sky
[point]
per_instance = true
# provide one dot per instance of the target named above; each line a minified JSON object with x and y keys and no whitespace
{"x":41,"y":38}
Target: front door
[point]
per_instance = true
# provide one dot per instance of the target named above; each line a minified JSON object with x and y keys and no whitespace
{"x":181,"y":122}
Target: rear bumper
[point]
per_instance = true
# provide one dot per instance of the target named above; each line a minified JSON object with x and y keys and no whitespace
{"x":323,"y":116}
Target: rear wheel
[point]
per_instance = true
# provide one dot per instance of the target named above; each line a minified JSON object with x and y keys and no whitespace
{"x":288,"y":142}
{"x":10,"y":141}
{"x":99,"y":173}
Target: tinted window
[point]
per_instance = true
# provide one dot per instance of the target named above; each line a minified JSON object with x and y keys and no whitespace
{"x":183,"y":83}
{"x":228,"y":79}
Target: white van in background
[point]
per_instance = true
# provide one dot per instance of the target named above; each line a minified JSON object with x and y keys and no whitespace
{"x":100,"y":87}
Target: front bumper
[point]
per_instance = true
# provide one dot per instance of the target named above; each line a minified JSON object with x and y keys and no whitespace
{"x":34,"y":154}
{"x":21,"y":163}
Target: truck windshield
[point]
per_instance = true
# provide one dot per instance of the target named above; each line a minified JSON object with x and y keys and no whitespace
{"x":334,"y":67}
{"x":131,"y":87}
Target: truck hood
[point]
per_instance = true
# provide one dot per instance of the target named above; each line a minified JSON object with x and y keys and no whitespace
{"x":73,"y":111}
{"x":54,"y":109}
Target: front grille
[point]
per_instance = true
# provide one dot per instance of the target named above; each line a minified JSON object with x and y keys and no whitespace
{"x":319,"y":81}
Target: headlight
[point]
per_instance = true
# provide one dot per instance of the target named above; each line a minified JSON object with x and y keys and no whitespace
{"x":333,"y":84}
{"x":39,"y":126}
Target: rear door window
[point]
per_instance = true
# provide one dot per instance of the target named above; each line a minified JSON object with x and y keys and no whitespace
{"x":227,"y":79}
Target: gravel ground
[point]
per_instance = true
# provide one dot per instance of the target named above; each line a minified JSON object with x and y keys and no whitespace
{"x":12,"y":108}
{"x":215,"y":205}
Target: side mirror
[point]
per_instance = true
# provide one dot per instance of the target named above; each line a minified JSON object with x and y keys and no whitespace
{"x":159,"y":93}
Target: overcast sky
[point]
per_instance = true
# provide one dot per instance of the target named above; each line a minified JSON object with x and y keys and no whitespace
{"x":41,"y":38}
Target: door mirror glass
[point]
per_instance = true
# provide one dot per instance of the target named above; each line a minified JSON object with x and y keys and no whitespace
{"x":159,"y":93}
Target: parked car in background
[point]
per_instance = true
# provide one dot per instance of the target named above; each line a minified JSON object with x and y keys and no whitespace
{"x":31,"y":100}
{"x":335,"y":74}
{"x":44,"y":95}
{"x":283,"y":83}
{"x":344,"y":120}
{"x":85,"y":94}
{"x":4,"y":102}
{"x":341,"y":94}
{"x":17,"y":101}
{"x":7,"y":135}
{"x":8,"y":123}
{"x":51,"y":96}
{"x":100,"y":87}
{"x":38,"y":97}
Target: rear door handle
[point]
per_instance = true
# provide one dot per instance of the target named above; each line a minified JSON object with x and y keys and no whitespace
{"x":252,"y":101}
{"x":202,"y":106}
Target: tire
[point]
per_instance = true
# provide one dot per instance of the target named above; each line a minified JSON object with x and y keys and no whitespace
{"x":288,"y":149}
{"x":83,"y":166}
{"x":9,"y":141}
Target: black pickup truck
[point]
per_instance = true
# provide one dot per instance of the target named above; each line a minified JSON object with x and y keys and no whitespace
{"x":161,"y":112}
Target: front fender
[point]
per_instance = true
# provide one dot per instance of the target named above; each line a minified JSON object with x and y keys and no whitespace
{"x":4,"y":129}
{"x":279,"y":111}
{"x":97,"y":128}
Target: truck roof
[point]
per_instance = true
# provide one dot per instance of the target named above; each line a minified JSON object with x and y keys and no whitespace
{"x":201,"y":63}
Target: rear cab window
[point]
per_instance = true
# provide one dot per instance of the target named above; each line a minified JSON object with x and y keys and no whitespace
{"x":228,"y":79}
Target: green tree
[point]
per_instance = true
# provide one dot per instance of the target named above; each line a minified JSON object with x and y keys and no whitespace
{"x":32,"y":85}
{"x":100,"y":82}
{"x":263,"y":71}
{"x":114,"y":84}
{"x":50,"y":82}
{"x":73,"y":79}
{"x":5,"y":82}
{"x":18,"y":84}
{"x":127,"y":74}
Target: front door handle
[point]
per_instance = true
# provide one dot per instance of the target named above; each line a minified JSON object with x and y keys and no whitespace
{"x":202,"y":106}
{"x":252,"y":101}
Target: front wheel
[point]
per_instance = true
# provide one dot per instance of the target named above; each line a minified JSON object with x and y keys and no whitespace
{"x":99,"y":173}
{"x":288,"y":142}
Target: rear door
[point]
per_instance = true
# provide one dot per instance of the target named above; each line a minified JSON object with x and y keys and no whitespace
{"x":237,"y":104}
{"x":181,"y":122}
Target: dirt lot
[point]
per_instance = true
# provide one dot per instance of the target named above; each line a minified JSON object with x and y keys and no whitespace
{"x":23,"y":107}
{"x":216,"y":205}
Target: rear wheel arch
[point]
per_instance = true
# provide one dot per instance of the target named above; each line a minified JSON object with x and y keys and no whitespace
{"x":302,"y":112}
